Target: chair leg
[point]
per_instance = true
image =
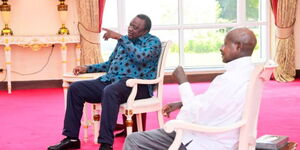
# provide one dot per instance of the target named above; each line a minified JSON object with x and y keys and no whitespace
{"x":129,"y":124}
{"x":139,"y":122}
{"x":85,"y":123}
{"x":160,"y":119}
{"x":65,"y":87}
{"x":96,"y":121}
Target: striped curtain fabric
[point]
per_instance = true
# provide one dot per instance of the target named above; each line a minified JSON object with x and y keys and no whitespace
{"x":90,"y":13}
{"x":285,"y":15}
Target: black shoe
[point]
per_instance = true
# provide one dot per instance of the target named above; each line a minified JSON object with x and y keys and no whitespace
{"x":105,"y":146}
{"x":119,"y":127}
{"x":65,"y":144}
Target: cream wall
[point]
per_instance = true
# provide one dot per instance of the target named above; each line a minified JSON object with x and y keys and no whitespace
{"x":35,"y":18}
{"x":297,"y":36}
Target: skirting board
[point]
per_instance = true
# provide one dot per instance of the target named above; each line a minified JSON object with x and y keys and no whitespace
{"x":298,"y":74}
{"x":40,"y":84}
{"x":58,"y":83}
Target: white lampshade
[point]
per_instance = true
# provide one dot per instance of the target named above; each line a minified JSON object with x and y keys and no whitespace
{"x":63,"y":16}
{"x":5,"y":16}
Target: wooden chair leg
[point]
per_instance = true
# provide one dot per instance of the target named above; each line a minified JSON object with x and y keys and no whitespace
{"x":139,"y":122}
{"x":65,"y":86}
{"x":160,"y":119}
{"x":129,"y":124}
{"x":96,"y":121}
{"x":85,"y":123}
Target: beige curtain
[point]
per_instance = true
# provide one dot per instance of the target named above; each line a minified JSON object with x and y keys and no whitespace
{"x":88,"y":26}
{"x":285,"y":16}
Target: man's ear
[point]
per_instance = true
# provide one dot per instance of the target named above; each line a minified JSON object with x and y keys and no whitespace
{"x":145,"y":32}
{"x":238,"y":46}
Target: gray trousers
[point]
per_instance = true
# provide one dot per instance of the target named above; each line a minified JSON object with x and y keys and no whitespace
{"x":150,"y":140}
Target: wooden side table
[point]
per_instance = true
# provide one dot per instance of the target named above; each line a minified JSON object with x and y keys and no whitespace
{"x":290,"y":146}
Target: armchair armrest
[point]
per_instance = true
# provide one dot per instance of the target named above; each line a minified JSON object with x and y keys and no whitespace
{"x":133,"y":82}
{"x":173,"y":125}
{"x":268,"y":70}
{"x":179,"y":126}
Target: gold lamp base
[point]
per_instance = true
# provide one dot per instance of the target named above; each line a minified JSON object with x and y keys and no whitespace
{"x":63,"y":30}
{"x":6,"y":31}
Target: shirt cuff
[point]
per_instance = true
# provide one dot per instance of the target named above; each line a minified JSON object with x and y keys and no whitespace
{"x":186,"y":92}
{"x":89,"y":69}
{"x":184,"y":85}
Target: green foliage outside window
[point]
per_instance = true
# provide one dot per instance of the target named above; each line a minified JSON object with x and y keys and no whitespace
{"x":211,"y":41}
{"x":252,"y":9}
{"x":229,"y":8}
{"x":205,"y":43}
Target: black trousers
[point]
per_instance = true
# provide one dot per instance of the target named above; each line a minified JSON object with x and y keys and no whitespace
{"x":110,"y":95}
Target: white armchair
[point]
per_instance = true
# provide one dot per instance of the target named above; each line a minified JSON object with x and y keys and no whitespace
{"x":248,"y":124}
{"x":131,"y":107}
{"x":153,"y":104}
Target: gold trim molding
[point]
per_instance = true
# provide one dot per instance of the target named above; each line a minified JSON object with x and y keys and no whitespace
{"x":35,"y":47}
{"x":38,"y":42}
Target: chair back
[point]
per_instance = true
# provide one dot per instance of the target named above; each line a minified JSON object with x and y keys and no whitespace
{"x":165,"y":46}
{"x":261,"y":73}
{"x":161,"y":66}
{"x":152,"y":104}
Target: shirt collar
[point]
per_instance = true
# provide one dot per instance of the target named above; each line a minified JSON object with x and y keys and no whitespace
{"x":240,"y":62}
{"x":141,"y":38}
{"x":144,"y":37}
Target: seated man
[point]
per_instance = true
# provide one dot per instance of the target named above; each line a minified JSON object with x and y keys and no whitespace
{"x":220,"y":105}
{"x":135,"y":56}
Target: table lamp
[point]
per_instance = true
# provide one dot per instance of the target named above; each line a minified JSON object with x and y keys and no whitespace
{"x":62,"y":9}
{"x":5,"y":13}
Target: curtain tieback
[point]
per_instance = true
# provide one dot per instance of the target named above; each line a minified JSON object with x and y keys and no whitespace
{"x":90,"y":36}
{"x":284,"y":33}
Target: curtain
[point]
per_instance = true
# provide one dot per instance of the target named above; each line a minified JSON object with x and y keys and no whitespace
{"x":285,"y":15}
{"x":90,"y":13}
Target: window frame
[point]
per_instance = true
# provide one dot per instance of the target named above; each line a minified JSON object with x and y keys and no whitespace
{"x":241,"y":20}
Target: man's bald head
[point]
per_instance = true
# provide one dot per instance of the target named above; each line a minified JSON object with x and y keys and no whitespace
{"x":239,"y":42}
{"x":243,"y":37}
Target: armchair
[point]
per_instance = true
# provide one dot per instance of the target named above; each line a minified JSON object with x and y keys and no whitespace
{"x":248,"y":123}
{"x":153,"y":104}
{"x":131,"y":107}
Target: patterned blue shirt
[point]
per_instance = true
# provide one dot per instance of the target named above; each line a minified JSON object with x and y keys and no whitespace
{"x":131,"y":59}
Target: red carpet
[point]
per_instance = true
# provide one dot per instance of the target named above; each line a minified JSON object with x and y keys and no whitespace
{"x":32,"y":119}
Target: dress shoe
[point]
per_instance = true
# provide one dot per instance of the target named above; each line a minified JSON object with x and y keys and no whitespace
{"x":66,"y":144}
{"x":119,"y":127}
{"x":105,"y":146}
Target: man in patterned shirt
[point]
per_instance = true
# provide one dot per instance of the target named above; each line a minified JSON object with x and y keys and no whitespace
{"x":135,"y":56}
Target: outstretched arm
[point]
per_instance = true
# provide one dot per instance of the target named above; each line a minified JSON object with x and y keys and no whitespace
{"x":111,"y":34}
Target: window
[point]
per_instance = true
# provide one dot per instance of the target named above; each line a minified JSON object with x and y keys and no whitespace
{"x":196,"y":27}
{"x":161,"y":12}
